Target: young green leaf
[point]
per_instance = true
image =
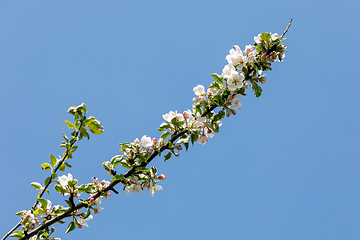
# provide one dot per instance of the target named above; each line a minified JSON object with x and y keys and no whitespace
{"x":70,"y":227}
{"x":53,"y":160}
{"x":70,"y":125}
{"x":46,"y":166}
{"x":36,"y":185}
{"x":165,"y":134}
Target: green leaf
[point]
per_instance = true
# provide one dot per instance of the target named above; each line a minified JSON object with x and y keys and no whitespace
{"x":117,"y":177}
{"x":73,"y":148}
{"x":218,"y":78}
{"x":17,"y":234}
{"x":20,"y":213}
{"x":72,"y":182}
{"x":258,"y":91}
{"x":72,"y":110}
{"x":39,"y":211}
{"x":63,"y":165}
{"x":82,"y":107}
{"x":125,"y":165}
{"x":143,"y":169}
{"x":183,"y":140}
{"x":115,"y":160}
{"x":194,"y":137}
{"x":265,"y":36}
{"x":95,"y":126}
{"x":46,"y":166}
{"x":214,"y":85}
{"x":36,"y":185}
{"x":43,"y":203}
{"x":186,"y":145}
{"x":84,"y":133}
{"x":70,"y":227}
{"x":53,"y":160}
{"x":164,"y":135}
{"x":163,"y":126}
{"x":70,"y":125}
{"x":167,"y":156}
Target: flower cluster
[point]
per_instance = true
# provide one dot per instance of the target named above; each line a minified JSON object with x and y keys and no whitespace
{"x":29,"y":220}
{"x":100,"y":186}
{"x":141,"y":180}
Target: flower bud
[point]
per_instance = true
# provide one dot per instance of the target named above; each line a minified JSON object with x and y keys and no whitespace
{"x":162,"y":177}
{"x":92,"y":200}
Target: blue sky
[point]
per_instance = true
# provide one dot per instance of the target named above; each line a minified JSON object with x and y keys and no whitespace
{"x":286,"y":167}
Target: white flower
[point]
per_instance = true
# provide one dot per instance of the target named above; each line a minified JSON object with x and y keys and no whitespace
{"x":83,"y":222}
{"x":202,"y":139}
{"x":235,"y":80}
{"x":258,"y":38}
{"x":250,"y":52}
{"x":235,"y":103}
{"x":153,"y":189}
{"x":236,"y":57}
{"x":209,"y":133}
{"x":169,"y":116}
{"x":227,"y":70}
{"x":199,"y":90}
{"x":135,"y":188}
{"x":274,"y":36}
{"x":63,"y":180}
{"x":199,"y":120}
{"x":146,"y":141}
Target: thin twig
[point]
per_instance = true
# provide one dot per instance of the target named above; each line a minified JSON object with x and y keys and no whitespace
{"x":287,"y":28}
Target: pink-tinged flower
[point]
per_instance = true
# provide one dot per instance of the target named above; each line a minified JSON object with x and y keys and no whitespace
{"x":95,"y":180}
{"x":146,"y":141}
{"x":153,"y":189}
{"x":199,"y":120}
{"x":274,"y":36}
{"x":257,"y":38}
{"x":162,"y":177}
{"x":235,"y":103}
{"x":199,"y":90}
{"x":188,"y":115}
{"x":219,"y":123}
{"x":169,"y":116}
{"x":201,"y":98}
{"x":212,"y":91}
{"x":209,"y":133}
{"x":202,"y":139}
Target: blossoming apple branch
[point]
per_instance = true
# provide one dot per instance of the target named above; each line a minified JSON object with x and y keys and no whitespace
{"x":244,"y":69}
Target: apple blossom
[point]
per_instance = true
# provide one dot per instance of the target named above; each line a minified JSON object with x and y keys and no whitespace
{"x":235,"y":80}
{"x":199,"y":90}
{"x":202,"y":139}
{"x":153,"y":189}
{"x":146,"y":141}
{"x":83,"y":222}
{"x":236,"y":58}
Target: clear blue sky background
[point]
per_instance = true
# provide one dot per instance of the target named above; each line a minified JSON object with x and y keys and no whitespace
{"x":286,"y":167}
